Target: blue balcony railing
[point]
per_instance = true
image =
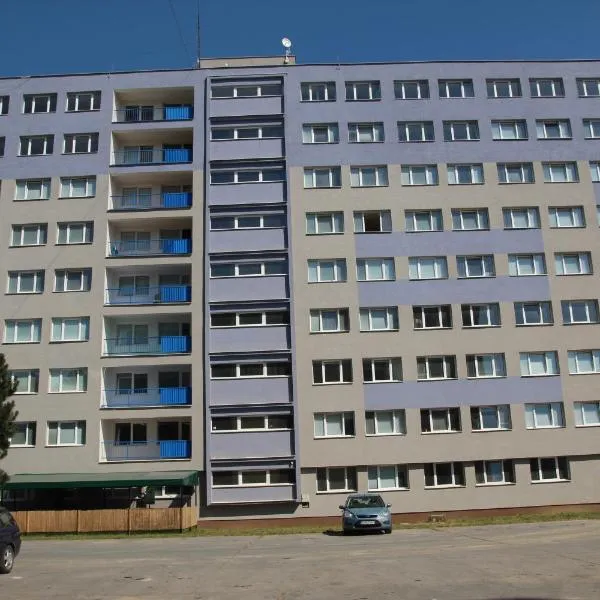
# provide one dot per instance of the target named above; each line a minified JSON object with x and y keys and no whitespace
{"x":165,"y":201}
{"x":168,"y":112}
{"x":148,"y":450}
{"x":161,"y":294}
{"x":149,"y":247}
{"x":168,"y":396}
{"x":152,"y":156}
{"x":163,"y":345}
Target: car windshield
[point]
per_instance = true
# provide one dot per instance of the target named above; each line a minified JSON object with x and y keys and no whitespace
{"x":366,"y":502}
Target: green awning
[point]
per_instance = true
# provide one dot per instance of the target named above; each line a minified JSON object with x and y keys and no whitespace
{"x":25,"y":481}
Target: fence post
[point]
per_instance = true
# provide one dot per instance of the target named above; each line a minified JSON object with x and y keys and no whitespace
{"x":129,"y":521}
{"x":181,"y":518}
{"x":27,"y":521}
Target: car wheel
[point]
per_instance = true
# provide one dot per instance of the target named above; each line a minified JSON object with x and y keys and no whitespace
{"x":7,"y":559}
{"x":346,"y":532}
{"x":387,"y":530}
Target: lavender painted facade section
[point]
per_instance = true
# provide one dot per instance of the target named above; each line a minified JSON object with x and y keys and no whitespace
{"x":240,"y":107}
{"x":246,"y":149}
{"x":246,"y":193}
{"x":235,"y":289}
{"x":244,"y":445}
{"x":232,"y":495}
{"x":249,"y":339}
{"x":247,"y":240}
{"x":462,"y":392}
{"x":229,"y":392}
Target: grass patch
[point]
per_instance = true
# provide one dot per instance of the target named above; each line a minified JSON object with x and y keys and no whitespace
{"x":331,"y":530}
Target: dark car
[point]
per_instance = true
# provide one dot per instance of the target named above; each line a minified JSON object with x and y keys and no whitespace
{"x":364,"y":512}
{"x":10,"y":541}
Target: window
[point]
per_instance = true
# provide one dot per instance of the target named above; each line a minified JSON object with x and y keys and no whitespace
{"x":336,"y":479}
{"x":75,"y":233}
{"x":320,"y":133}
{"x":25,"y":282}
{"x":327,"y":270}
{"x":368,"y":176}
{"x":503,"y":88}
{"x":533,"y":313}
{"x":32,"y":189}
{"x":483,"y":366}
{"x":515,"y":173}
{"x":467,"y":219}
{"x":465,"y":174}
{"x":27,"y":380}
{"x":76,"y":329}
{"x":246,"y":91}
{"x":379,"y":319}
{"x":423,"y":220}
{"x":587,"y":414}
{"x":494,"y":472}
{"x":320,"y":91}
{"x":68,"y":380}
{"x":78,"y":187}
{"x":365,"y":132}
{"x":547,"y":88}
{"x":363,"y":90}
{"x":382,"y":370}
{"x":322,"y":177}
{"x":83,"y":101}
{"x":324,"y":223}
{"x":481,"y":315}
{"x":246,"y":370}
{"x":436,"y":367}
{"x":23,"y":434}
{"x":520,"y":265}
{"x":448,"y":474}
{"x":549,"y":469}
{"x":373,"y":221}
{"x":456,"y":88}
{"x":334,"y":425}
{"x":595,"y":171}
{"x":333,"y":320}
{"x":592,"y":128}
{"x":538,"y":364}
{"x":432,"y":317}
{"x":4,"y":103}
{"x":250,"y":221}
{"x":588,"y":87}
{"x":509,"y":130}
{"x":72,"y":280}
{"x":521,"y":218}
{"x":375,"y":269}
{"x":39,"y":103}
{"x":22,"y":331}
{"x":491,"y":418}
{"x":2,"y":144}
{"x":470,"y":267}
{"x":252,"y":423}
{"x":385,"y":422}
{"x":565,"y":172}
{"x":411,"y":89}
{"x":247,"y":132}
{"x":387,"y":477}
{"x":573,"y":263}
{"x":249,"y":175}
{"x":553,"y":129}
{"x":80,"y":143}
{"x":248,"y":269}
{"x":332,"y":371}
{"x":253,"y":478}
{"x":66,"y":433}
{"x":36,"y":145}
{"x":246,"y":319}
{"x":461,"y":131}
{"x":415,"y":131}
{"x":567,"y":216}
{"x":582,"y":362}
{"x":419,"y":175}
{"x":34,"y":234}
{"x":579,"y":311}
{"x":427,"y":267}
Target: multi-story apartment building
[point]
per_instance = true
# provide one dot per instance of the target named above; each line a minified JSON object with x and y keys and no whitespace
{"x":263,"y":285}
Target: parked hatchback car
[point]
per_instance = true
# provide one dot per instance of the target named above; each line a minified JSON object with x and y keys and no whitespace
{"x":10,"y":541}
{"x":366,"y":512}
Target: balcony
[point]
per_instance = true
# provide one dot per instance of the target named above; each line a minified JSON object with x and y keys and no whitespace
{"x":255,"y":444}
{"x":162,"y":201}
{"x":145,"y":113}
{"x":139,"y":296}
{"x":155,"y":346}
{"x":149,"y":155}
{"x":147,"y":450}
{"x":149,"y":247}
{"x":147,"y":398}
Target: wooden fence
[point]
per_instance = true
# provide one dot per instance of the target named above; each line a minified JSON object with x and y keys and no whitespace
{"x":113,"y":521}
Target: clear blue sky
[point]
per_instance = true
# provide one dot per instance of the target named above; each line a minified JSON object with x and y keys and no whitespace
{"x":66,"y":36}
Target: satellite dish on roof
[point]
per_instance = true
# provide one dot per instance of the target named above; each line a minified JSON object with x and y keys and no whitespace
{"x":287,"y":44}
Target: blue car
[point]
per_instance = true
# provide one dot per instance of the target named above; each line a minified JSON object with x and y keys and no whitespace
{"x":10,"y":541}
{"x":366,"y":512}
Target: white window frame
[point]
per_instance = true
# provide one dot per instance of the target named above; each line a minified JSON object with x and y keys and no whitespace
{"x":489,"y":307}
{"x":341,"y":315}
{"x":439,"y":309}
{"x":415,"y":267}
{"x":269,"y":480}
{"x":422,"y":89}
{"x":391,"y":317}
{"x":340,"y":364}
{"x":543,"y":309}
{"x":236,"y":129}
{"x":72,"y":140}
{"x":67,"y":188}
{"x":434,"y":218}
{"x":453,"y":133}
{"x":32,"y":326}
{"x":44,"y":100}
{"x":83,"y":329}
{"x":595,"y":170}
{"x":450,"y":414}
{"x":476,"y":363}
{"x":263,"y":269}
{"x":95,"y":101}
{"x":66,"y":272}
{"x":544,"y":129}
{"x":80,"y":431}
{"x":349,"y":475}
{"x":329,"y":91}
{"x":457,"y":472}
{"x":592,"y":129}
{"x":38,"y":282}
{"x":574,"y":214}
{"x":393,"y":366}
{"x":466,"y":88}
{"x":239,"y":317}
{"x":585,"y":85}
{"x":507,"y":170}
{"x":18,"y":234}
{"x":519,"y":265}
{"x":327,"y":420}
{"x":358,"y":175}
{"x":238,"y":370}
{"x":387,"y":266}
{"x":397,"y":421}
{"x":514,"y":88}
{"x":590,"y":307}
{"x":407,"y":129}
{"x":502,"y":416}
{"x":374,"y":91}
{"x":310,"y":176}
{"x":340,"y":272}
{"x":373,"y":130}
{"x":259,"y":172}
{"x":483,"y":266}
{"x":575,"y":357}
{"x":308,"y":133}
{"x":448,"y":363}
{"x":582,"y":416}
{"x":408,"y":174}
{"x":239,"y":423}
{"x":237,"y":221}
{"x":569,"y":172}
{"x":556,"y":83}
{"x":360,"y":219}
{"x":336,"y":222}
{"x":537,"y":475}
{"x":531,"y":214}
{"x":482,"y":219}
{"x":30,"y":434}
{"x":87,"y":232}
{"x":481,"y":471}
{"x":258,"y":88}
{"x":476,"y":175}
{"x":554,"y":411}
{"x":509,"y":130}
{"x":374,"y":473}
{"x":48,"y":140}
{"x":81,"y":375}
{"x":25,"y":187}
{"x":551,"y":364}
{"x":4,"y":104}
{"x":33,"y":380}
{"x":584,"y":260}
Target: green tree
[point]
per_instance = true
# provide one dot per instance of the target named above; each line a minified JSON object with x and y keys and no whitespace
{"x":8,"y":414}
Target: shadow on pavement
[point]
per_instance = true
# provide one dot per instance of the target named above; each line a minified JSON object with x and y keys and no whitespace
{"x":334,"y":532}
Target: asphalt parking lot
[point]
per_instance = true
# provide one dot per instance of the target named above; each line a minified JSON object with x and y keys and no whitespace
{"x":545,"y":561}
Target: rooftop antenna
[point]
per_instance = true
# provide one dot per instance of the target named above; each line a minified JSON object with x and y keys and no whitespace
{"x":198,"y":35}
{"x":287,"y":44}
